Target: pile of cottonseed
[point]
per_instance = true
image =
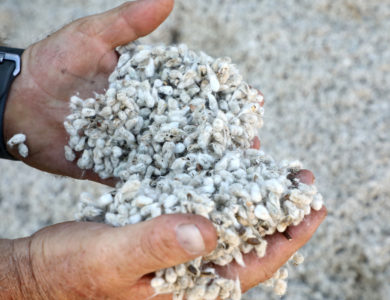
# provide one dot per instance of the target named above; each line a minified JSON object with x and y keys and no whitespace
{"x":176,"y":127}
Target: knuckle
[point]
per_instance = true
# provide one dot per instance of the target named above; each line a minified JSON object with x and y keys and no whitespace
{"x":157,"y":247}
{"x":86,"y":26}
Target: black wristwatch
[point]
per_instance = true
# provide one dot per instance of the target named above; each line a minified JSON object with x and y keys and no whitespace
{"x":10,"y":66}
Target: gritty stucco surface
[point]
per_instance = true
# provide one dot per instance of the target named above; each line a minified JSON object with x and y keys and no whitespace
{"x":324,"y":67}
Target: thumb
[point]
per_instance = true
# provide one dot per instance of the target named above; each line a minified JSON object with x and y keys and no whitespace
{"x":160,"y":243}
{"x":130,"y":21}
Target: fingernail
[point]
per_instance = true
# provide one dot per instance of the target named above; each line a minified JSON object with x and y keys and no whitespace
{"x":306,"y":176}
{"x":255,"y":144}
{"x":303,"y":175}
{"x":190,"y":238}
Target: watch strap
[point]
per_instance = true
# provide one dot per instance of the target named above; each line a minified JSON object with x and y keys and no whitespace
{"x":10,"y":66}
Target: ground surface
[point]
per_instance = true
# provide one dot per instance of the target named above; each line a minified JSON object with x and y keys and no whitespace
{"x":324,"y":67}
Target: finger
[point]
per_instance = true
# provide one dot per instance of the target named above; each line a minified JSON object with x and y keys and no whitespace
{"x":129,"y":21}
{"x":279,"y":250}
{"x":144,"y":290}
{"x":271,"y":263}
{"x":261,"y":96}
{"x":91,"y":175}
{"x":67,"y":168}
{"x":159,"y":243}
{"x":305,"y":176}
{"x":255,"y":144}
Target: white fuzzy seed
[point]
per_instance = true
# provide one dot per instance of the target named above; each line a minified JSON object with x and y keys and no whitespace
{"x":16,"y":139}
{"x":23,"y":150}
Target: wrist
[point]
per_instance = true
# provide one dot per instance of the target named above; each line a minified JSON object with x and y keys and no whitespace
{"x":10,"y":284}
{"x":10,"y":64}
{"x":19,"y":281}
{"x":14,"y":108}
{"x":24,"y":266}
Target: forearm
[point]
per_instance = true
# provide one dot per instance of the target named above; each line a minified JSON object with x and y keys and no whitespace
{"x":16,"y":276}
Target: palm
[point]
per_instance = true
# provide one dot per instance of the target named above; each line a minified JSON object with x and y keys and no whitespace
{"x":82,"y":66}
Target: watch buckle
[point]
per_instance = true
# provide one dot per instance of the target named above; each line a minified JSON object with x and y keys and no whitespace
{"x":12,"y":57}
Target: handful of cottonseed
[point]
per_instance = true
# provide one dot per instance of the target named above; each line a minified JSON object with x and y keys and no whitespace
{"x":176,"y":127}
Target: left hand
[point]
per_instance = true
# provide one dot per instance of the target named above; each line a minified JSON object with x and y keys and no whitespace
{"x":76,"y":59}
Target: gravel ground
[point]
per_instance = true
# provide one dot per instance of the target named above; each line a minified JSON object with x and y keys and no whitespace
{"x":324,"y":67}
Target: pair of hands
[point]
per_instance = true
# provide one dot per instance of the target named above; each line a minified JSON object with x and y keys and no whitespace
{"x":76,"y":260}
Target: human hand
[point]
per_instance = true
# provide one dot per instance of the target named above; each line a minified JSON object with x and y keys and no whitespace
{"x":81,"y":260}
{"x":76,"y":59}
{"x":77,"y":260}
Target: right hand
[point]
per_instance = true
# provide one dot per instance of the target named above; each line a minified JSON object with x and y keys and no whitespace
{"x":77,"y":260}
